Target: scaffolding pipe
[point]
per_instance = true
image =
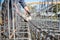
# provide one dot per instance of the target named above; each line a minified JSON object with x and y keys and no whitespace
{"x":13,"y":20}
{"x":42,"y":3}
{"x":8,"y":19}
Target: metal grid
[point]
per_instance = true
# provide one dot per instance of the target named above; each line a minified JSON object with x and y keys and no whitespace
{"x":16,"y":27}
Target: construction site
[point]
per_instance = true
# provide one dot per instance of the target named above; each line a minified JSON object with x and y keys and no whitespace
{"x":44,"y":25}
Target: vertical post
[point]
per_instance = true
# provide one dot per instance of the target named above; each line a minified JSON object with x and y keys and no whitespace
{"x":0,"y":3}
{"x":57,"y":5}
{"x":0,"y":26}
{"x":52,"y":9}
{"x":40,"y":9}
{"x":13,"y":20}
{"x":59,"y":25}
{"x":8,"y":20}
{"x":0,"y":32}
{"x":57,"y":8}
{"x":58,"y":37}
{"x":29,"y":32}
{"x":57,"y":15}
{"x":16,"y":18}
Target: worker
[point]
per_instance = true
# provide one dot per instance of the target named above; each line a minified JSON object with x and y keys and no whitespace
{"x":22,"y":3}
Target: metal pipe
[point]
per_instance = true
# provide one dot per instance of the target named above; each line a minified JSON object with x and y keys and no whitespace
{"x":13,"y":20}
{"x":8,"y":20}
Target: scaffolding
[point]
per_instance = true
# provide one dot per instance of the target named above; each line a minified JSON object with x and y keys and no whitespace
{"x":41,"y":27}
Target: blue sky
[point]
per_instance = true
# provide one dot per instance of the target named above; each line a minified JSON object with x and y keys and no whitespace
{"x":25,"y":1}
{"x":1,"y":1}
{"x":33,"y":0}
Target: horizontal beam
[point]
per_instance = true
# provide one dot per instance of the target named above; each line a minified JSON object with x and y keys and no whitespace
{"x":42,"y":2}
